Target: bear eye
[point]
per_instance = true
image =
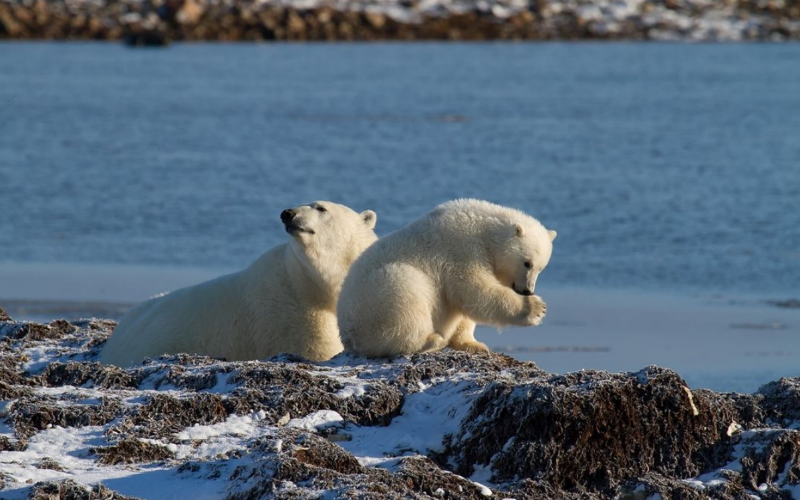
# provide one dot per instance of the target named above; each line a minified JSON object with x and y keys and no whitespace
{"x":527,"y":264}
{"x":320,"y":208}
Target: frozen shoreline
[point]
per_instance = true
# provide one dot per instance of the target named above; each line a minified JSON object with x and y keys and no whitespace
{"x":716,"y":341}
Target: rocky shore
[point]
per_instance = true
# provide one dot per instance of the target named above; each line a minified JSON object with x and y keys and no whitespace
{"x":442,"y":425}
{"x":156,"y":22}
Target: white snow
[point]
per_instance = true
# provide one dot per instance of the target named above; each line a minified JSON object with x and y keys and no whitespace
{"x":427,"y":417}
{"x":317,"y":421}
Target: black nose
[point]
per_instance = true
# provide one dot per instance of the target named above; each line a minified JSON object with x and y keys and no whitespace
{"x":287,"y":216}
{"x":527,"y":291}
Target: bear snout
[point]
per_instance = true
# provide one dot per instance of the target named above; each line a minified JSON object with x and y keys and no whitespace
{"x":525,"y":291}
{"x":287,"y":215}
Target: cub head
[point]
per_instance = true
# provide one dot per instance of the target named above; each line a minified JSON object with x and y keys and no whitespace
{"x":520,"y":253}
{"x":328,"y":236}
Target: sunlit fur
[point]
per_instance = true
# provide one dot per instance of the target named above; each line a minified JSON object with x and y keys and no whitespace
{"x":425,"y":286}
{"x":283,"y":302}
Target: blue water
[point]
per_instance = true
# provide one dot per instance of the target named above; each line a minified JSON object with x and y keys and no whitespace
{"x":663,"y":167}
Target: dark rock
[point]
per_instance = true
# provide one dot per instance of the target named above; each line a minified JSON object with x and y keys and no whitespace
{"x":70,"y":490}
{"x":11,"y":376}
{"x":447,"y":364}
{"x":8,"y":391}
{"x":30,"y":331}
{"x":94,"y":324}
{"x":31,"y":414}
{"x":771,"y":457}
{"x":49,"y":464}
{"x":313,"y":464}
{"x":652,"y":484}
{"x":181,"y":373}
{"x":782,"y":399}
{"x":163,"y":415}
{"x":7,"y":444}
{"x":94,"y":374}
{"x":280,"y":388}
{"x":422,"y":475}
{"x":62,"y":327}
{"x":37,"y":331}
{"x":315,"y":451}
{"x":593,"y":429}
{"x":131,"y":451}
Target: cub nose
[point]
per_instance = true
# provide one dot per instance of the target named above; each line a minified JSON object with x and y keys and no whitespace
{"x":287,"y":216}
{"x":527,"y":291}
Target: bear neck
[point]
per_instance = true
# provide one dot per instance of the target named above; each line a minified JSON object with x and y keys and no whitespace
{"x":323,"y":270}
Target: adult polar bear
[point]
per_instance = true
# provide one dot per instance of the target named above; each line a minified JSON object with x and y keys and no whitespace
{"x":425,"y":286}
{"x":284,"y":302}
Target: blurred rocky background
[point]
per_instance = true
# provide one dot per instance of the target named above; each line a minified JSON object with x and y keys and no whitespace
{"x":155,"y":22}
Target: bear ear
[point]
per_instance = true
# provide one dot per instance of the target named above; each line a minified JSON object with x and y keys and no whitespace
{"x":518,"y":230}
{"x":552,"y":234}
{"x":370,"y":218}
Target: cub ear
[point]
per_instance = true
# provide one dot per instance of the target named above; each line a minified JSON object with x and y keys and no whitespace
{"x":552,"y":234}
{"x":518,"y":230}
{"x":370,"y":218}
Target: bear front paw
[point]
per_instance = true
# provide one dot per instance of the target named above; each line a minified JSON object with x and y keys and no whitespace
{"x":535,"y":310}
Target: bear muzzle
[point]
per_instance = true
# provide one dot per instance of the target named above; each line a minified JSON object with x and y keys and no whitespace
{"x":525,"y":291}
{"x":289,"y":219}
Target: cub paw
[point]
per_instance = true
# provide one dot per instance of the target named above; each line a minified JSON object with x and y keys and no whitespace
{"x":472,"y":347}
{"x":535,"y":310}
{"x":434,"y":342}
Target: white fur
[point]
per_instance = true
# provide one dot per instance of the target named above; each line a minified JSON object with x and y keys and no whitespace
{"x":285,"y":301}
{"x":425,"y":286}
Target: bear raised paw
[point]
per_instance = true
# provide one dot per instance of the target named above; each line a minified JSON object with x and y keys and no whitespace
{"x":425,"y":286}
{"x":284,"y":302}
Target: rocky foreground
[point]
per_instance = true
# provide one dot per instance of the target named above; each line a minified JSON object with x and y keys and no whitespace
{"x":154,"y":22}
{"x":443,"y":425}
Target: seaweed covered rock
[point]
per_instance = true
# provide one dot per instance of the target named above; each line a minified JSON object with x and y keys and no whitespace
{"x":163,"y":415}
{"x":283,"y":389}
{"x":36,"y":331}
{"x":782,"y":399}
{"x":308,"y":464}
{"x":131,"y":451}
{"x":69,"y":489}
{"x":596,"y":429}
{"x":437,"y":425}
{"x":89,"y":373}
{"x":32,"y":414}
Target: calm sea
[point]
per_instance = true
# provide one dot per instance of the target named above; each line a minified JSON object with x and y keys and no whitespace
{"x":662,"y":166}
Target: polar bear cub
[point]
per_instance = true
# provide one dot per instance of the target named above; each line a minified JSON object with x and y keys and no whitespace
{"x":285,"y":301}
{"x":425,"y":286}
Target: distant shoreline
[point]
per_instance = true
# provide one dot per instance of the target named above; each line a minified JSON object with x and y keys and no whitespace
{"x":151,"y":23}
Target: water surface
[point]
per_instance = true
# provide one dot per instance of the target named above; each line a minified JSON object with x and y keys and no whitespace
{"x":662,"y":166}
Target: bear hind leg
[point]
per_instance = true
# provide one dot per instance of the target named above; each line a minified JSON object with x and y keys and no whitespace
{"x":434,"y":342}
{"x":463,"y":338}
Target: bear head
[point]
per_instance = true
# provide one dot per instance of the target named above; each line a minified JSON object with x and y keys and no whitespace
{"x":520,"y":254}
{"x":328,"y":237}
